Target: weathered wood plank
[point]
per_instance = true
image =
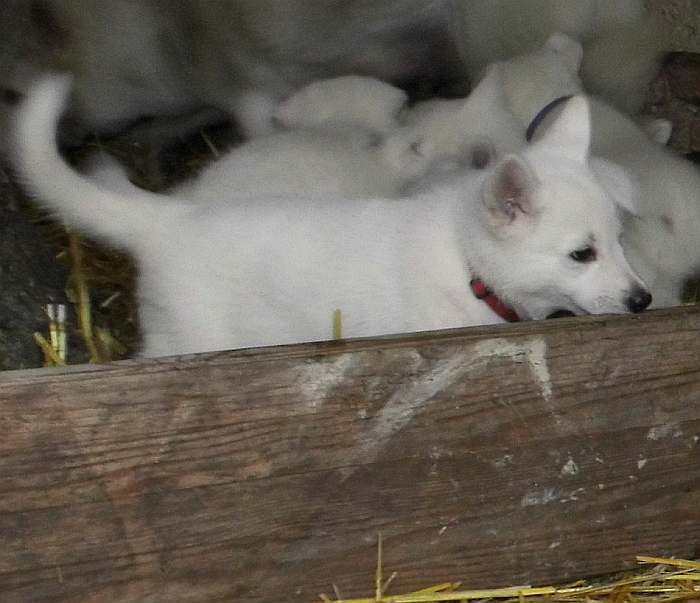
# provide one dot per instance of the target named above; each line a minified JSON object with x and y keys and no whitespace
{"x":519,"y":454}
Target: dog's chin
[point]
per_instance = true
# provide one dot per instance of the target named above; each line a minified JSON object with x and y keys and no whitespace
{"x":547,"y":312}
{"x":564,"y":311}
{"x":560,"y":314}
{"x":563,"y":307}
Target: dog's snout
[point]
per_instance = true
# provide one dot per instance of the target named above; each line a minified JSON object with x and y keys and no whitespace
{"x":639,"y":300}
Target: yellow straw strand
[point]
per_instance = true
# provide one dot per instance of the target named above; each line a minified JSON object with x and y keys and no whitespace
{"x":337,"y":324}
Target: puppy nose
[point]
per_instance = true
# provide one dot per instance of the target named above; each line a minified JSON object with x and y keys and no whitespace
{"x":639,"y":300}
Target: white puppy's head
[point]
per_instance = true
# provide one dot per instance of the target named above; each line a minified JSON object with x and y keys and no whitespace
{"x":351,"y":99}
{"x":534,"y":80}
{"x":553,"y":232}
{"x":452,"y":133}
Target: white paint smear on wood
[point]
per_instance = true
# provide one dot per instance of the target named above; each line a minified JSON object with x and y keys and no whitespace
{"x":410,"y":398}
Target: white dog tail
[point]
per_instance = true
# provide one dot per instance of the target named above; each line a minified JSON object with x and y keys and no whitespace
{"x":121,"y":218}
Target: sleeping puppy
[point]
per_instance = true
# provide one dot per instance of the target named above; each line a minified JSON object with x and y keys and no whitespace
{"x":349,"y":99}
{"x":345,"y":152}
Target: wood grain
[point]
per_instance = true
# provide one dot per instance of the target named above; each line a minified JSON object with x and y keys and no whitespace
{"x":527,"y":453}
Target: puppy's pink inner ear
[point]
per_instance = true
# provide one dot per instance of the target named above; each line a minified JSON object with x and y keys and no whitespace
{"x":511,"y":190}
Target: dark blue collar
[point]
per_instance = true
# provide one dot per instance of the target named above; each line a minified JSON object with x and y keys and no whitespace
{"x":539,"y":118}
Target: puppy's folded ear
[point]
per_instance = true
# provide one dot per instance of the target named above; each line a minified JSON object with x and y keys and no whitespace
{"x":568,"y":48}
{"x":617,"y":183}
{"x":570,"y":132}
{"x":508,"y":193}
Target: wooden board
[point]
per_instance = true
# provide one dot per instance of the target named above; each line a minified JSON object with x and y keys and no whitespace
{"x":521,"y":454}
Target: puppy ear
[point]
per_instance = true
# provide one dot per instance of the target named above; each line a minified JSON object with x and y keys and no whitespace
{"x":507,"y":193}
{"x":617,"y":184}
{"x":568,"y":48}
{"x":570,"y":133}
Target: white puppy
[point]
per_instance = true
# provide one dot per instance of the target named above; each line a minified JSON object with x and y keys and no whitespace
{"x":433,"y":134}
{"x":344,"y":156}
{"x":623,"y":47}
{"x":341,"y":160}
{"x":663,"y":241}
{"x":350,"y":99}
{"x":450,"y":133}
{"x":537,"y":228}
{"x":493,"y":119}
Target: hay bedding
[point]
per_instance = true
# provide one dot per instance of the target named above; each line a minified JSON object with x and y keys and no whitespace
{"x":101,"y":320}
{"x":658,"y":580}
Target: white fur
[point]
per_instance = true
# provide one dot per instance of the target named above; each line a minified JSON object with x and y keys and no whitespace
{"x":663,"y":241}
{"x":344,"y":159}
{"x":497,"y":112}
{"x":272,"y":270}
{"x":338,"y":160}
{"x":350,"y":99}
{"x":531,"y":81}
{"x":451,"y":131}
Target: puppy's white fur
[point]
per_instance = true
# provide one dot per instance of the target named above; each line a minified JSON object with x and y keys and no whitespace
{"x":344,"y":157}
{"x":451,"y":132}
{"x":433,"y":135}
{"x":340,"y":160}
{"x":271,"y":270}
{"x":662,"y":242}
{"x":448,"y":133}
{"x":350,"y":99}
{"x":533,"y":80}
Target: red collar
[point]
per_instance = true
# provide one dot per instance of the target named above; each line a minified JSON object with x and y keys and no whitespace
{"x":483,"y":293}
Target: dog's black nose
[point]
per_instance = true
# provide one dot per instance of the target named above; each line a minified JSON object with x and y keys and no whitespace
{"x":639,"y":300}
{"x":560,"y":314}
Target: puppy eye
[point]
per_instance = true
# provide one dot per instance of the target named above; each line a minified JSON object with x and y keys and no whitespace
{"x":585,"y":254}
{"x":481,"y":157}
